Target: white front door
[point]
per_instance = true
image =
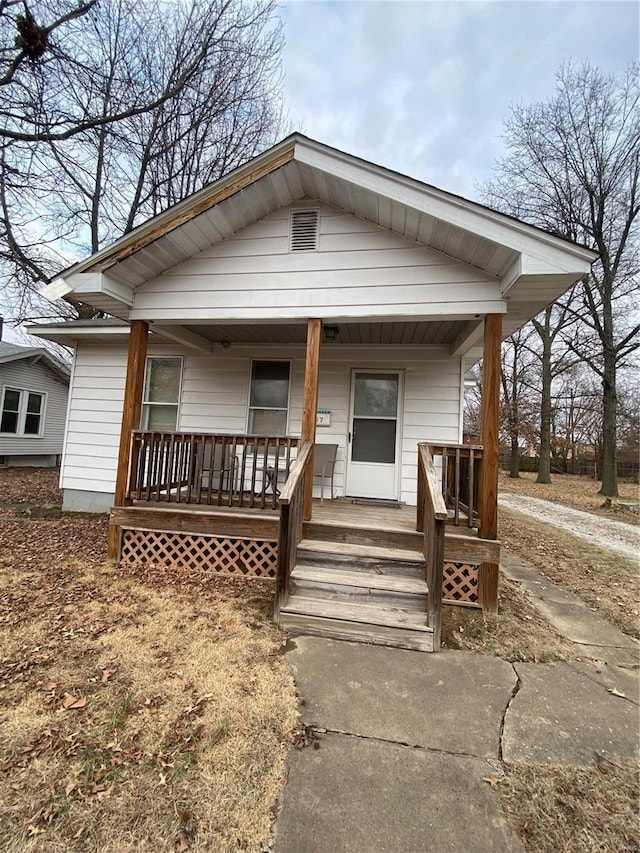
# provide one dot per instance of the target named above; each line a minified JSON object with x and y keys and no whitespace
{"x":374,"y":434}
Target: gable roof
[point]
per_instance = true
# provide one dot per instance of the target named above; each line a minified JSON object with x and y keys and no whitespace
{"x":532,"y":266}
{"x":14,"y":352}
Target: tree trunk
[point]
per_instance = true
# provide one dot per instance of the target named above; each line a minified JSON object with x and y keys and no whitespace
{"x":514,"y":468}
{"x":544,"y":469}
{"x":609,"y":433}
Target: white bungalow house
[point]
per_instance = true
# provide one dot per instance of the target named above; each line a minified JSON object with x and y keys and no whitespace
{"x":34,"y":388}
{"x":308,"y":298}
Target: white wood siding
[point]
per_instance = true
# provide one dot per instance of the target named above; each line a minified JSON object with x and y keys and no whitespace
{"x":36,"y":377}
{"x":215,"y":392}
{"x":359,"y":270}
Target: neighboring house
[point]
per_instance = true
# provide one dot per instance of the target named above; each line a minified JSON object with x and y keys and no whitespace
{"x":34,"y":387}
{"x":309,"y":296}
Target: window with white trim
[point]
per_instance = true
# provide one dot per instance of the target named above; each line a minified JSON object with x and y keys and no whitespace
{"x":161,"y":395}
{"x":269,"y":398}
{"x":22,"y":412}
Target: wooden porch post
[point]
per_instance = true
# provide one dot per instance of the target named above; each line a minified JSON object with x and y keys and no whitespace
{"x":310,"y":404}
{"x":131,"y":410}
{"x":488,"y":587}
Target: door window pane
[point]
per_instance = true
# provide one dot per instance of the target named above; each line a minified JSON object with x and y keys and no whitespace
{"x":376,"y":395}
{"x":374,"y":441}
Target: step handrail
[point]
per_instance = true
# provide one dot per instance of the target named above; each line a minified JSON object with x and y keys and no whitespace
{"x":430,"y":520}
{"x":291,"y":502}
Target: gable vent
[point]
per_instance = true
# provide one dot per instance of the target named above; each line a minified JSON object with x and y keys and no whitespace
{"x":304,"y":230}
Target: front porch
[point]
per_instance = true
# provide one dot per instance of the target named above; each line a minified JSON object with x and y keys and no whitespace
{"x":351,"y":569}
{"x":244,"y":503}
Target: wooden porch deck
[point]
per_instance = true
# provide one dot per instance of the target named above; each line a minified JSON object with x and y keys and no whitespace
{"x":359,"y":572}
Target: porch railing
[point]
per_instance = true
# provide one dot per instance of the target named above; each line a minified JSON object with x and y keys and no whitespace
{"x":460,"y":475}
{"x":291,"y":503}
{"x":431,"y":520}
{"x":211,"y":469}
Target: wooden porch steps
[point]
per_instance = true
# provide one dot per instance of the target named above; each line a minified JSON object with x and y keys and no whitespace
{"x":361,"y":593}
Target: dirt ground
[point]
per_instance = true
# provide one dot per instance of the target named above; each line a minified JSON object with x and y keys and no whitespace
{"x":574,"y":491}
{"x":140,"y":710}
{"x":30,"y":486}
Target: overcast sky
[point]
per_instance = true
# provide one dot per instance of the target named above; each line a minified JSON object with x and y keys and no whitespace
{"x":424,"y":87}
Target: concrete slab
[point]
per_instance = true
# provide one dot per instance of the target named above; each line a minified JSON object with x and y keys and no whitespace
{"x":362,"y":796}
{"x":561,"y":715}
{"x":452,"y":701}
{"x":611,"y":677}
{"x":568,"y":614}
{"x":627,"y":658}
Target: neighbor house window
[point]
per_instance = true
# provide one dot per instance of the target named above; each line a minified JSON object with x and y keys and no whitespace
{"x":161,"y":394}
{"x":22,"y":412}
{"x":269,"y":398}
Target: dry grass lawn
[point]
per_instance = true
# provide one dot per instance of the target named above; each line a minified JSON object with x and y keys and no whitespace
{"x":139,"y":711}
{"x":605,"y":581}
{"x":578,"y":492}
{"x":557,"y":809}
{"x":517,"y":633}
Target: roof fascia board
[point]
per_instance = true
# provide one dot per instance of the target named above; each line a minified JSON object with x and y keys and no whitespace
{"x":187,"y":209}
{"x":19,"y":356}
{"x":451,"y":209}
{"x":35,"y":355}
{"x":68,"y":336}
{"x":88,"y":283}
{"x":363,"y":313}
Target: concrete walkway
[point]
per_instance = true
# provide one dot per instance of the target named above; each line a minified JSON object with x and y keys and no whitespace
{"x":403,"y":743}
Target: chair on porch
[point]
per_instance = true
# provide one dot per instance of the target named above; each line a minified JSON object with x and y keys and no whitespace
{"x":324,"y":463}
{"x":218,"y":468}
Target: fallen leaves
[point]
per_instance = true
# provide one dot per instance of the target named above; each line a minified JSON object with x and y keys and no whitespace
{"x":74,"y":703}
{"x":615,"y":692}
{"x":305,"y":736}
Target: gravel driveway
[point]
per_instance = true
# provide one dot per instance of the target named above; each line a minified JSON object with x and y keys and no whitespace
{"x":614,"y":536}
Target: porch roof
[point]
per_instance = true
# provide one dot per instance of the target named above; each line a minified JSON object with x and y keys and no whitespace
{"x":532,"y":266}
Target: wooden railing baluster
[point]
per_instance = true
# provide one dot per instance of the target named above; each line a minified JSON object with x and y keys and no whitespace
{"x":171,"y":467}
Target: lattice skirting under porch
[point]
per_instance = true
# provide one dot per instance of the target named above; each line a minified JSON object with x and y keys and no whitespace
{"x":460,"y":584}
{"x":225,"y":555}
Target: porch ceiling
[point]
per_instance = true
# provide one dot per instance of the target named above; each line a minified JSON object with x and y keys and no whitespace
{"x":398,"y":333}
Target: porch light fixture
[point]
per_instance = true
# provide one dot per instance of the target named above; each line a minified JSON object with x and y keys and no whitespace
{"x":331,"y":333}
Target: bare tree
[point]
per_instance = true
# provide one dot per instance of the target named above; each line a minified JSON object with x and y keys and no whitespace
{"x":131,"y":106}
{"x":519,"y":395}
{"x":573,"y":168}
